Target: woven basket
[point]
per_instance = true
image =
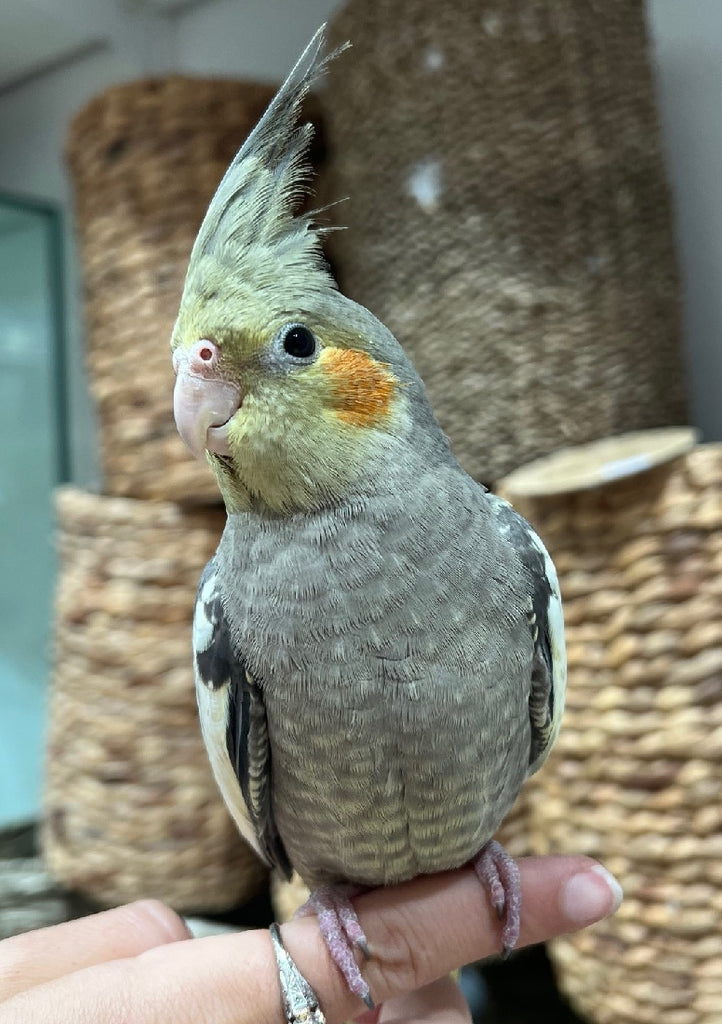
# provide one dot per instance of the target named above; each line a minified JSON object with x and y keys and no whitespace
{"x":287,"y":897}
{"x":131,"y":808}
{"x":145,"y":160}
{"x":509,"y":217}
{"x":636,"y":775}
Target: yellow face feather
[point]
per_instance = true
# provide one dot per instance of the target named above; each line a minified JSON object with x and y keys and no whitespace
{"x":305,"y":436}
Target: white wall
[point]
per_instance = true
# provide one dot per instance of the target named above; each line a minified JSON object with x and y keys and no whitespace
{"x":34,"y":121}
{"x":33,"y":126}
{"x":687,"y":38}
{"x":261,"y":38}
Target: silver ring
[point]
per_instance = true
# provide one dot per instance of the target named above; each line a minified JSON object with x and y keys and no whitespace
{"x":300,"y":1002}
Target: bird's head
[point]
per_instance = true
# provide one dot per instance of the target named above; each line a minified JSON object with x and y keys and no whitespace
{"x":294,"y":391}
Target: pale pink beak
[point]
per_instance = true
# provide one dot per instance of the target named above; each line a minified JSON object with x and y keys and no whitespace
{"x":203,"y":404}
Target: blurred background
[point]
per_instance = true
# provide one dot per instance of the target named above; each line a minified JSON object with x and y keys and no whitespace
{"x":53,"y":60}
{"x":591,"y":219}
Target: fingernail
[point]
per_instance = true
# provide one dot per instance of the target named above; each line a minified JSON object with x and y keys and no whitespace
{"x":591,"y":895}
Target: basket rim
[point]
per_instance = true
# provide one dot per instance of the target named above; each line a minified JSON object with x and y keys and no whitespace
{"x":595,"y":464}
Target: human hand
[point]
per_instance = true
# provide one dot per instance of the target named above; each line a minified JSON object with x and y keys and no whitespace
{"x":138,"y":965}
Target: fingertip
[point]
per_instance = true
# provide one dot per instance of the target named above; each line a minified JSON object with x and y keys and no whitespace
{"x":590,"y":895}
{"x":158,"y":922}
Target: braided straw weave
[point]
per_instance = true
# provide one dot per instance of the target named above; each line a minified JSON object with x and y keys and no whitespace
{"x":145,"y":160}
{"x":636,"y":775}
{"x":508,"y":215}
{"x":131,"y":808}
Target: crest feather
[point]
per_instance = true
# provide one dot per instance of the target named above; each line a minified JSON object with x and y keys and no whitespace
{"x":254,"y":208}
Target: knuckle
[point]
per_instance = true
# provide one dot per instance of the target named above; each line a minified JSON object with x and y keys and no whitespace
{"x":402,"y":952}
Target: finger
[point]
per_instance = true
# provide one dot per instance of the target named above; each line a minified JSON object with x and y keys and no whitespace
{"x":426,"y":928}
{"x":418,"y":932}
{"x":441,"y":1002}
{"x":39,"y":956}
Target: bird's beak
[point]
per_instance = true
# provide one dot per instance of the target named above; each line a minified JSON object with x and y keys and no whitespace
{"x":203,"y":403}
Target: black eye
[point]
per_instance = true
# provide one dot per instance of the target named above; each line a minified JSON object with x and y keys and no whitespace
{"x":299,"y":342}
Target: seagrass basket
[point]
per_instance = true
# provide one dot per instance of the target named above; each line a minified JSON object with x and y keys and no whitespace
{"x":145,"y":159}
{"x":131,"y":808}
{"x":636,"y":775}
{"x":287,"y":896}
{"x":508,"y":215}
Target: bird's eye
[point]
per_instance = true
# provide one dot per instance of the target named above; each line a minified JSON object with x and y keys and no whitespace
{"x":299,"y":342}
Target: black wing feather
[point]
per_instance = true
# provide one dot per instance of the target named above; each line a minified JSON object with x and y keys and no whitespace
{"x":247,"y":739}
{"x":541,"y":697}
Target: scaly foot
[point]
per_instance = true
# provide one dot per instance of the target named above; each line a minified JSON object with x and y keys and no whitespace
{"x":342,"y":933}
{"x":498,"y":873}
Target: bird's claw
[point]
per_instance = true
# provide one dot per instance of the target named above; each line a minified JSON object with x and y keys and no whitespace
{"x":342,"y":933}
{"x":499,"y":874}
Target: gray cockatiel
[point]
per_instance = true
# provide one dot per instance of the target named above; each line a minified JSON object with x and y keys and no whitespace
{"x":378,"y":640}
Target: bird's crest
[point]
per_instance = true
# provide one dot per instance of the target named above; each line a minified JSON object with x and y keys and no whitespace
{"x":252,"y":227}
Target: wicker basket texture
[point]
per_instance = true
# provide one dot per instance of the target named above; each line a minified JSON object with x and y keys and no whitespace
{"x":509,"y":218}
{"x":636,"y":776}
{"x":287,"y":896}
{"x":131,"y":808}
{"x":145,"y":160}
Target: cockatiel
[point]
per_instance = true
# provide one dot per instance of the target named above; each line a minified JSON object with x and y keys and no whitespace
{"x":378,"y":640}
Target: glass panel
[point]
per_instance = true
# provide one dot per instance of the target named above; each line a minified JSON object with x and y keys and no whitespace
{"x":29,"y":469}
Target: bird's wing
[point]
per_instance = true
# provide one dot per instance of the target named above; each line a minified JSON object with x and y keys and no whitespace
{"x":234,"y":725}
{"x":549,"y":667}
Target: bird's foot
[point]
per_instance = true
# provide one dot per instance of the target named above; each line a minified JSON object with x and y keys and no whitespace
{"x":499,"y":874}
{"x":342,"y":932}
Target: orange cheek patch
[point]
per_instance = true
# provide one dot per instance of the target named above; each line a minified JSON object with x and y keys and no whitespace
{"x":361,"y":388}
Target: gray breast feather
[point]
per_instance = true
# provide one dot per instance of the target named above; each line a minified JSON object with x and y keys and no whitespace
{"x":376,"y":686}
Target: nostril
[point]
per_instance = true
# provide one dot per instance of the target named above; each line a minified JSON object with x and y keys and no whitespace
{"x":205,"y":352}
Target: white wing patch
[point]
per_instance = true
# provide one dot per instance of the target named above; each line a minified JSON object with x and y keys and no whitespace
{"x":213,"y":697}
{"x":203,"y":626}
{"x":213,"y":711}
